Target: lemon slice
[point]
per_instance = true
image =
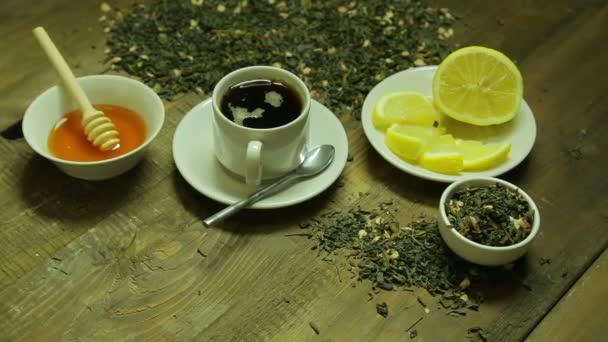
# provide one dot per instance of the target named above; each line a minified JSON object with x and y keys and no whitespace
{"x":447,"y":139}
{"x":408,"y":141}
{"x":479,"y":157}
{"x":442,"y":155}
{"x":468,"y":143}
{"x":479,"y":86}
{"x":404,"y":108}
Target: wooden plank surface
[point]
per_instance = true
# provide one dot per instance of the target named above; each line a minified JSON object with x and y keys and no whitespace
{"x":580,"y":315}
{"x":128,"y":259}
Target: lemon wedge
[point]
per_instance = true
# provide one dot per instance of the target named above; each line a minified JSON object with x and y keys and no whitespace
{"x":439,"y":152}
{"x":447,"y":139}
{"x":479,"y":86}
{"x":468,"y":143}
{"x":477,"y":156}
{"x":404,"y":107}
{"x":408,"y":141}
{"x":442,"y":155}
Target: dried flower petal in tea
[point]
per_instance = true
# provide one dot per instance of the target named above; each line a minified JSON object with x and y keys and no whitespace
{"x":493,"y":215}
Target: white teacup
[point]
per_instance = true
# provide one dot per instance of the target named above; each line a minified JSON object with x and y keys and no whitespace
{"x":256,"y":154}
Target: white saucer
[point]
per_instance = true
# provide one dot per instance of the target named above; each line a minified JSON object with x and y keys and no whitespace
{"x":195,"y":160}
{"x":520,"y":132}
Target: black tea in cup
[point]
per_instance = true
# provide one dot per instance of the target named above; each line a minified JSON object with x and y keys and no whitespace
{"x":261,"y":103}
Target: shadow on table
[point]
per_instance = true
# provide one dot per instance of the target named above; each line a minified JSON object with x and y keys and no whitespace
{"x":412,"y":188}
{"x":53,"y":194}
{"x":252,"y":221}
{"x":504,"y":282}
{"x":518,"y":174}
{"x":424,"y":191}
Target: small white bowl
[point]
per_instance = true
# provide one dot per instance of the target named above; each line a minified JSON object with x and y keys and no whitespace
{"x":47,"y":109}
{"x":476,"y":252}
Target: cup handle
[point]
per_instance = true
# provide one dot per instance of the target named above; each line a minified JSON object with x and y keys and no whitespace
{"x":253,"y":163}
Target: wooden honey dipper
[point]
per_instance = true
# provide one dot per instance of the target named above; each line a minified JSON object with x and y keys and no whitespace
{"x":98,"y":128}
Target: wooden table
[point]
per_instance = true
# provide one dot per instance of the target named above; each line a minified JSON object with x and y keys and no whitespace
{"x":129,"y":259}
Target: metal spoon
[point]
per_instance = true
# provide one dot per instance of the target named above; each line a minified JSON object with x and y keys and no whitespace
{"x":315,"y":161}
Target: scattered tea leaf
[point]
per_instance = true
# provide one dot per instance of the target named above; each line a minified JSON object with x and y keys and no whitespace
{"x":456,"y":313}
{"x":421,"y":302}
{"x":299,"y":234}
{"x":412,"y":326}
{"x":476,"y":333}
{"x":392,"y":255}
{"x":200,"y":252}
{"x":315,"y":327}
{"x":340,"y":54}
{"x":382,"y":309}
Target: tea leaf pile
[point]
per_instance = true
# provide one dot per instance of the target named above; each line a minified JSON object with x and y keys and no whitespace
{"x":494,"y":215}
{"x":395,"y":256}
{"x":340,"y":48}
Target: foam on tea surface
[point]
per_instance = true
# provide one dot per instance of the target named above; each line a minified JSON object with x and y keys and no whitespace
{"x":261,"y":104}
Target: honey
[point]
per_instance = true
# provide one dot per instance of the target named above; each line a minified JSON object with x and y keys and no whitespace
{"x":68,"y":141}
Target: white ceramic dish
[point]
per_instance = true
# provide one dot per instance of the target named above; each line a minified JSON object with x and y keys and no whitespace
{"x":520,"y":132}
{"x":195,"y":160}
{"x":473,"y":251}
{"x":47,"y":109}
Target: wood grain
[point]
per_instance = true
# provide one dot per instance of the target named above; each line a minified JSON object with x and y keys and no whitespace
{"x":76,"y":31}
{"x":581,"y":314}
{"x":140,"y":266}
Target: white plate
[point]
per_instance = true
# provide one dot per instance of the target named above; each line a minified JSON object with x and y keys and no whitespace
{"x":195,"y":160}
{"x":520,"y":132}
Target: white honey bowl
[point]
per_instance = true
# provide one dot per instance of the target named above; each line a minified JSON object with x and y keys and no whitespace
{"x":49,"y":107}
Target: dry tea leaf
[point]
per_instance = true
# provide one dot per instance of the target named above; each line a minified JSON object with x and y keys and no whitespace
{"x":346,"y":47}
{"x":412,"y":255}
{"x":493,"y":215}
